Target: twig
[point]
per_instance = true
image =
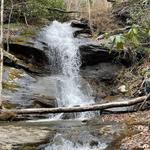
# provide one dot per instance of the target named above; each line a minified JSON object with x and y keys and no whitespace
{"x":25,"y":18}
{"x":143,"y":103}
{"x":8,"y":32}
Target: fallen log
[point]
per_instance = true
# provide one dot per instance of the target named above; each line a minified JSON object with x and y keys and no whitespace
{"x":76,"y":109}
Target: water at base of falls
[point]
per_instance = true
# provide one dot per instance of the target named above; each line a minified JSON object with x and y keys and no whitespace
{"x":61,"y":143}
{"x":65,"y":62}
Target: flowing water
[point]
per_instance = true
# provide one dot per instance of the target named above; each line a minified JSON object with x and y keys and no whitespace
{"x":60,"y":143}
{"x":71,"y":89}
{"x":65,"y":63}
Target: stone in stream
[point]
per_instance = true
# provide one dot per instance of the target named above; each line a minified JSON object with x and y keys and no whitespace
{"x":14,"y":136}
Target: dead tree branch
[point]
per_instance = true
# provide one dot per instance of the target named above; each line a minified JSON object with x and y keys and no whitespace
{"x":76,"y":109}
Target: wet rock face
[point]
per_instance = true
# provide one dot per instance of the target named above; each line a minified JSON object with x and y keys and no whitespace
{"x":102,"y":71}
{"x":35,"y":58}
{"x":100,"y":68}
{"x":25,"y":90}
{"x":94,"y":54}
{"x":101,"y":78}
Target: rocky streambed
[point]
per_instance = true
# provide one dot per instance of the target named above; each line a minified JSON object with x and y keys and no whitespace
{"x":108,"y":132}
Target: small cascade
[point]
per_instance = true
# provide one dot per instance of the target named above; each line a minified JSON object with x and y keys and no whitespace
{"x":60,"y":143}
{"x":65,"y":63}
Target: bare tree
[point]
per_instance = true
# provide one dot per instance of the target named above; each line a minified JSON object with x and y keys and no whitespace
{"x":90,"y":2}
{"x":1,"y":51}
{"x":8,"y":28}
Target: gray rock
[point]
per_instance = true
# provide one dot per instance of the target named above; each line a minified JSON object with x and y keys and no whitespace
{"x":44,"y":101}
{"x":101,"y":78}
{"x":102,"y":71}
{"x":11,"y":136}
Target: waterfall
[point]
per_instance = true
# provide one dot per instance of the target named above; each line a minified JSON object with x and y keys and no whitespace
{"x":65,"y":63}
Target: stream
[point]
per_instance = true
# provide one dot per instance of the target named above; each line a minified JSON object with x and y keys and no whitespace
{"x":68,"y":131}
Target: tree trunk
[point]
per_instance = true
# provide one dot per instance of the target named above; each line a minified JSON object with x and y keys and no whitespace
{"x":8,"y":27}
{"x":76,"y":109}
{"x":1,"y":51}
{"x":89,"y":12}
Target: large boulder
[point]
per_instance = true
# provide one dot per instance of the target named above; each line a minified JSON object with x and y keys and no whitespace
{"x":24,"y":45}
{"x":93,"y":54}
{"x":34,"y":58}
{"x":22,"y":137}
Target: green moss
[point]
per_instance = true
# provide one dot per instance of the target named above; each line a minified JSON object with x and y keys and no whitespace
{"x":14,"y":74}
{"x":20,"y":39}
{"x":32,"y":147}
{"x":14,"y":26}
{"x":8,"y":105}
{"x":10,"y":86}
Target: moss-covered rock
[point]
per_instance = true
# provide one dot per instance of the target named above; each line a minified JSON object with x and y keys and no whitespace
{"x":10,"y":78}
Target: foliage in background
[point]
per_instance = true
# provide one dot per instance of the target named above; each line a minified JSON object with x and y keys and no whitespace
{"x":32,"y":11}
{"x":35,"y":10}
{"x":99,"y":12}
{"x":132,"y":39}
{"x":138,"y":37}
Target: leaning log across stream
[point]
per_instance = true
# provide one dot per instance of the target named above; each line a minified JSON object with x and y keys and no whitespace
{"x":77,"y":109}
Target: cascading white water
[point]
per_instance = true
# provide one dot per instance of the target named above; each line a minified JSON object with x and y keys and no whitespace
{"x":60,"y":143}
{"x":65,"y":62}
